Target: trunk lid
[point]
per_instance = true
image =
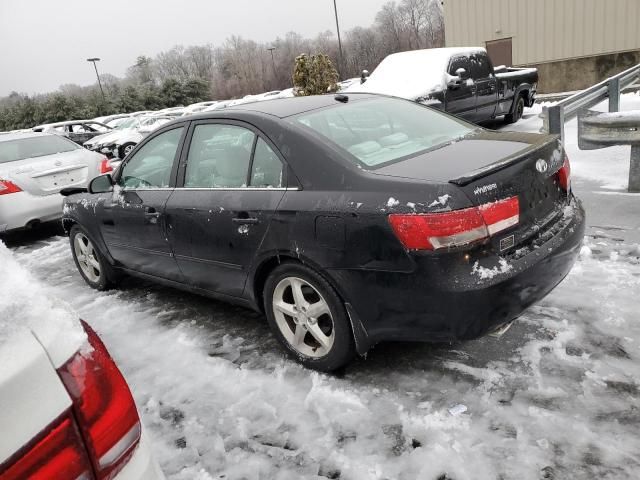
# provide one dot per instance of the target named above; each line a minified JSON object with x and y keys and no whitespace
{"x":49,"y":174}
{"x":492,"y":166}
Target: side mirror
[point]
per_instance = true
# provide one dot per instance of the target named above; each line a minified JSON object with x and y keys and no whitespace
{"x":462,"y":73}
{"x":363,"y":76}
{"x":454,"y":83}
{"x":101,"y":184}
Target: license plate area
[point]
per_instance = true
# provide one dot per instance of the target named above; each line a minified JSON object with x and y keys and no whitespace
{"x":59,"y":180}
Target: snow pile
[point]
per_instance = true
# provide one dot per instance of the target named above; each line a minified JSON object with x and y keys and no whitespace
{"x":488,"y":273}
{"x":556,"y":397}
{"x":411,"y":74}
{"x":25,"y":306}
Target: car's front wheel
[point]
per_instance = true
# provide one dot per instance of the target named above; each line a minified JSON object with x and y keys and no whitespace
{"x":308,"y":317}
{"x":126,"y":149}
{"x":90,"y":263}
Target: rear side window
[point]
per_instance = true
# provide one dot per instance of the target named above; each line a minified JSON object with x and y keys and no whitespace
{"x":382,"y":130}
{"x":14,"y":150}
{"x":219,"y":157}
{"x":266,"y":170}
{"x":150,"y":167}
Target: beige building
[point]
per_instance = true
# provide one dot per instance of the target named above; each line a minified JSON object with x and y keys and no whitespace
{"x":574,"y":43}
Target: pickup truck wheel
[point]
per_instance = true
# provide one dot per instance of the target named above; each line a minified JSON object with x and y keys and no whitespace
{"x":518,"y":111}
{"x":308,"y":317}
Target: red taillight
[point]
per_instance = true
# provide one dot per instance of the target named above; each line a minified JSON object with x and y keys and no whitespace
{"x":56,"y":453}
{"x":103,"y":406}
{"x":432,"y":231}
{"x":105,"y":166}
{"x":564,"y":174}
{"x":7,"y":187}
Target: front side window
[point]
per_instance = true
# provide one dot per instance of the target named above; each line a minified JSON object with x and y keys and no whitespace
{"x":460,"y":62}
{"x":266,"y":170}
{"x":219,"y":156}
{"x":382,"y":130}
{"x":151,"y":166}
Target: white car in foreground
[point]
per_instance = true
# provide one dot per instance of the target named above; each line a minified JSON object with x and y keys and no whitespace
{"x":34,"y":167}
{"x":66,"y":411}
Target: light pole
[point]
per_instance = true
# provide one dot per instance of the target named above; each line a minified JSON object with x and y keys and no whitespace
{"x":273,"y":62}
{"x":335,"y":10}
{"x":94,"y":60}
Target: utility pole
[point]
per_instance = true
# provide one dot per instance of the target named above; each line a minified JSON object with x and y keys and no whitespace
{"x":94,"y":60}
{"x":273,"y":63}
{"x":340,"y":59}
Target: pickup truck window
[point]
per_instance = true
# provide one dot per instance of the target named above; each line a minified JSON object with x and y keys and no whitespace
{"x":480,"y":66}
{"x":459,"y":62}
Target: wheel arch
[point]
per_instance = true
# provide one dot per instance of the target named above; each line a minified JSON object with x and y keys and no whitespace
{"x":269,"y":263}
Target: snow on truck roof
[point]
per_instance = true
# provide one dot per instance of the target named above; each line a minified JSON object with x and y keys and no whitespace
{"x":414,"y":73}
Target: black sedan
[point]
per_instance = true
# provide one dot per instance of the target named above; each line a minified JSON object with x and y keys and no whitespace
{"x":348,"y":220}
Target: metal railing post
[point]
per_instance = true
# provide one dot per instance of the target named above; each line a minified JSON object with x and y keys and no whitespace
{"x":634,"y":169}
{"x":555,"y":120}
{"x":614,"y":94}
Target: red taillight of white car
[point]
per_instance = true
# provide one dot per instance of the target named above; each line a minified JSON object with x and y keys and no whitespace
{"x":564,"y":175}
{"x":105,"y":166}
{"x":103,"y":407}
{"x":57,"y":453}
{"x":434,"y":231}
{"x":7,"y":187}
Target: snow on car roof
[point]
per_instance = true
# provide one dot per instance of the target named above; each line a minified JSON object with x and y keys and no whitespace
{"x":21,"y":135}
{"x":25,"y":305}
{"x":412,"y":74}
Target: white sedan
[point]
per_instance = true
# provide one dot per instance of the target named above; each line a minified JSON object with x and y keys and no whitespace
{"x":66,"y":411}
{"x":34,"y":167}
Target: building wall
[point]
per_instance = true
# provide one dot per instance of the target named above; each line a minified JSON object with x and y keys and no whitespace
{"x":545,"y":30}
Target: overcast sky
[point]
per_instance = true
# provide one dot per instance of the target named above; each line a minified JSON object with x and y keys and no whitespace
{"x":44,"y":43}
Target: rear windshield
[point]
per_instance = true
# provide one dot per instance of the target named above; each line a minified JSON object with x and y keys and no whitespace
{"x":14,"y":150}
{"x":383,"y":130}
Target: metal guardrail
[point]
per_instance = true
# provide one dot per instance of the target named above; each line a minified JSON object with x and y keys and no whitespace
{"x":556,"y":115}
{"x":602,"y":130}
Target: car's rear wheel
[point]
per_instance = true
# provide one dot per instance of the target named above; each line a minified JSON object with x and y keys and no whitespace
{"x":308,"y":317}
{"x":518,"y":111}
{"x":90,"y":263}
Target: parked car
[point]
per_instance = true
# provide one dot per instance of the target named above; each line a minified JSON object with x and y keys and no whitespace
{"x":347,"y":219}
{"x":67,"y":411}
{"x":110,"y":118}
{"x":34,"y":167}
{"x":461,"y":81}
{"x":119,"y":142}
{"x":78,"y":131}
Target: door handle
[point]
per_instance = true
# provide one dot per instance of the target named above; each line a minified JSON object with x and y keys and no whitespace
{"x":245,"y":221}
{"x":151,"y":214}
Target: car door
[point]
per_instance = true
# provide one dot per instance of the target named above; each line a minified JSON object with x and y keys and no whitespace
{"x":461,"y":99}
{"x":134,"y":223}
{"x":231,"y":182}
{"x":486,"y":86}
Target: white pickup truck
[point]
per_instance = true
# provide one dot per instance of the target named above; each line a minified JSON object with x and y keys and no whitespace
{"x":66,"y":412}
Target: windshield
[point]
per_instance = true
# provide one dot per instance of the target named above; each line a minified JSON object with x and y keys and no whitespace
{"x":381,"y":130}
{"x":128,"y":123}
{"x":14,"y":150}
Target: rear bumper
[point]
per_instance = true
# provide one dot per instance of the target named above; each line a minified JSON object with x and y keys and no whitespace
{"x":142,"y":465}
{"x":18,"y":210}
{"x":456,"y":297}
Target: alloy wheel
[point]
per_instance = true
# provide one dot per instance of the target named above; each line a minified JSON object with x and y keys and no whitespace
{"x":87,"y":257}
{"x":304,"y":317}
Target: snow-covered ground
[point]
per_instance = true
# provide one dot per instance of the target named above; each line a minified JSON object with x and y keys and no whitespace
{"x":556,"y":397}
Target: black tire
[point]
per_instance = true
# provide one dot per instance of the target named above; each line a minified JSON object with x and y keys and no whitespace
{"x":106,"y":276}
{"x":343,"y":348}
{"x":126,"y":149}
{"x":518,"y":111}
